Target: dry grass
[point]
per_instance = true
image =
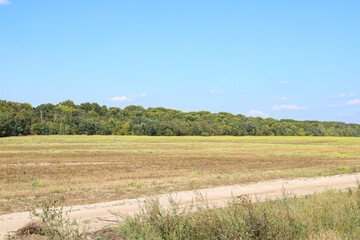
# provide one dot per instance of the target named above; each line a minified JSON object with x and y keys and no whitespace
{"x":328,"y":215}
{"x":87,"y":169}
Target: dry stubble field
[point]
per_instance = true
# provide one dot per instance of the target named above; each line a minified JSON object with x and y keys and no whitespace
{"x":86,"y":169}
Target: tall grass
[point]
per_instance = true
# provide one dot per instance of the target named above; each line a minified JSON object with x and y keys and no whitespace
{"x":55,"y":222}
{"x":329,"y":215}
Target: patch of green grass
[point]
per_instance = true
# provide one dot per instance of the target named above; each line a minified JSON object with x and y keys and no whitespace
{"x":37,"y":183}
{"x":302,"y":172}
{"x":135,"y":184}
{"x":195,"y":174}
{"x":316,"y":154}
{"x":344,"y":168}
{"x":222,"y":176}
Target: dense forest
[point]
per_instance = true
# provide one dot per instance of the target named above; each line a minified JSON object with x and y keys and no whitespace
{"x":67,"y":118}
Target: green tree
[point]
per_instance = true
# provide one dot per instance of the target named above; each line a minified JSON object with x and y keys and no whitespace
{"x":20,"y":128}
{"x":6,"y":123}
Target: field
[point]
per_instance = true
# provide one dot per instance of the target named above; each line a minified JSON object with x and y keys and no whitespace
{"x":87,"y":169}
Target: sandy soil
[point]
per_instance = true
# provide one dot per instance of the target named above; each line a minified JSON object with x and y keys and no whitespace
{"x":99,"y":214}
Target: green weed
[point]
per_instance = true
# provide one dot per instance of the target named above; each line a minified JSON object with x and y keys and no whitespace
{"x":220,"y":176}
{"x":37,"y":183}
{"x":55,"y":221}
{"x":135,"y":184}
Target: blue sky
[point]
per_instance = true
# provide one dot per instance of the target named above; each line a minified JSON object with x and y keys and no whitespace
{"x":280,"y":59}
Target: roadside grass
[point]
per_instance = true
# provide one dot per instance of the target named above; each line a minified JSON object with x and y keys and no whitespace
{"x":87,"y":169}
{"x":333,"y":214}
{"x":328,"y":215}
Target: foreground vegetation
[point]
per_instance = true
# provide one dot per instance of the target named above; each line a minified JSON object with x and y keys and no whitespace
{"x":67,"y":118}
{"x":87,"y":169}
{"x":328,"y":215}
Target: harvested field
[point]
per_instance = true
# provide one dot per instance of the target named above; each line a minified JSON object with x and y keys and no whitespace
{"x":87,"y":169}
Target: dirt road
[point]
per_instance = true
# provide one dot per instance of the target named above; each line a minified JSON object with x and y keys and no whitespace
{"x":98,"y":215}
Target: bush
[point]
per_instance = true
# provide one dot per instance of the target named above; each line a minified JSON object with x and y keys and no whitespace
{"x":55,"y":222}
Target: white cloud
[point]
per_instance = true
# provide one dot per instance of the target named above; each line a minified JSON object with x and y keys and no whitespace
{"x":287,"y":107}
{"x":346,"y":114}
{"x":283,"y":98}
{"x":4,"y":2}
{"x":257,"y":113}
{"x":238,"y":91}
{"x":333,"y":105}
{"x":353,"y":102}
{"x":141,"y":95}
{"x":122,"y":99}
{"x":283,"y":82}
{"x":216,"y":91}
{"x":343,"y":95}
{"x":128,"y":98}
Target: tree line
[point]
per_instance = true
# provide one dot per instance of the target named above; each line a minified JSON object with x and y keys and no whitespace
{"x":67,"y":118}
